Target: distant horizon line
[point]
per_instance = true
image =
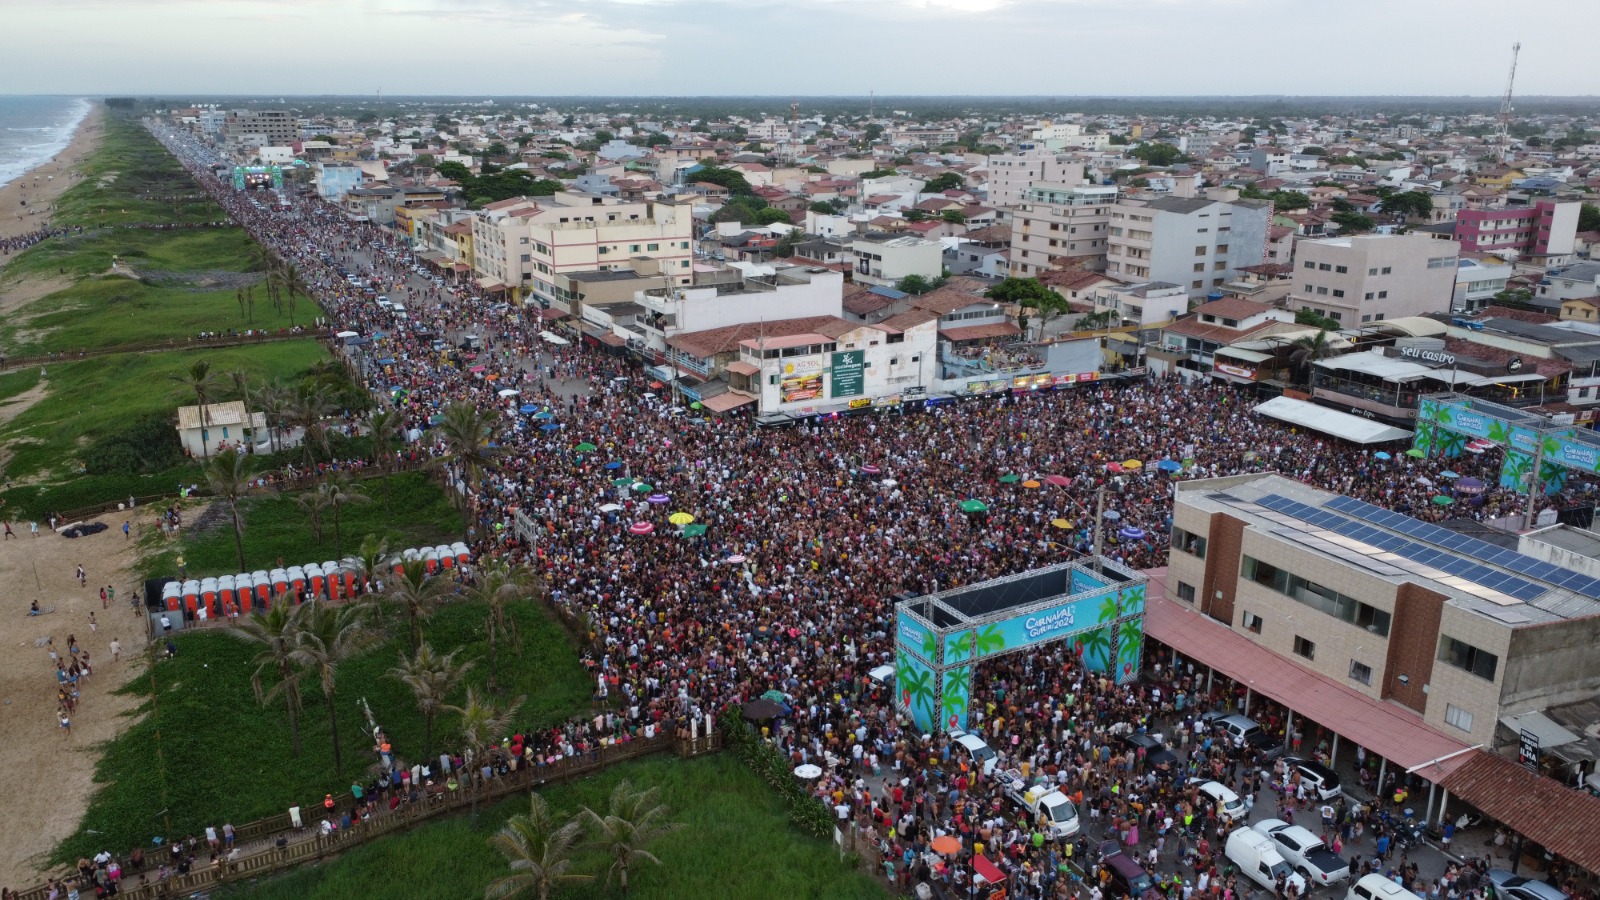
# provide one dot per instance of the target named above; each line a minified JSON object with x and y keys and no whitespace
{"x":1054,"y":97}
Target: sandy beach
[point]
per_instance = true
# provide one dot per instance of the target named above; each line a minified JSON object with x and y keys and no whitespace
{"x":43,"y":184}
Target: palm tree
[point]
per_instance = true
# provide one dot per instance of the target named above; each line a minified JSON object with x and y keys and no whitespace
{"x":540,"y":853}
{"x":467,"y":432}
{"x":341,"y":492}
{"x":277,"y":630}
{"x":275,"y":404}
{"x":418,"y":593}
{"x":497,"y":583}
{"x":1308,"y":350}
{"x":373,"y":559}
{"x":383,"y":427}
{"x":241,"y":383}
{"x":228,"y":477}
{"x":432,"y":677}
{"x":633,"y":821}
{"x":291,"y":287}
{"x":482,"y":726}
{"x":199,"y":379}
{"x":330,"y":637}
{"x":314,"y":503}
{"x":306,"y":409}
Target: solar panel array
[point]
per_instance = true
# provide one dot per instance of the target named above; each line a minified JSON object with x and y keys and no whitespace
{"x":1483,"y":551}
{"x":1444,"y":561}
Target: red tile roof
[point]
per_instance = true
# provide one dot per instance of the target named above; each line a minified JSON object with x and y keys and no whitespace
{"x":1231,"y":308}
{"x":1562,"y":820}
{"x":1521,"y":315}
{"x":1193,"y":327}
{"x":1549,"y":368}
{"x":980,"y":332}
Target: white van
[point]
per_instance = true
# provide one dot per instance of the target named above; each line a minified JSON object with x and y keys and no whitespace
{"x":979,"y":755}
{"x":398,"y":310}
{"x":1377,"y":887}
{"x":1260,"y":861}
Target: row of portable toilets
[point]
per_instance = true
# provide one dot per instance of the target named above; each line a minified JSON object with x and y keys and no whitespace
{"x":331,"y":580}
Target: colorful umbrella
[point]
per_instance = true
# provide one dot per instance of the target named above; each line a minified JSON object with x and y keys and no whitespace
{"x":1063,"y":524}
{"x":1448,"y":473}
{"x":527,"y":408}
{"x":1010,"y":478}
{"x":946,"y":844}
{"x":680,"y":518}
{"x":1415,"y":453}
{"x":888,"y":482}
{"x":1114,"y":467}
{"x":974,"y":506}
{"x":547,"y":414}
{"x":611,"y":507}
{"x":641,"y":528}
{"x":657,"y":384}
{"x":870,"y":470}
{"x":641,"y":487}
{"x":1382,"y":455}
{"x":1170,"y":465}
{"x":736,"y":559}
{"x":621,"y":482}
{"x":1133,"y":465}
{"x":1469,"y":486}
{"x":1113,"y":516}
{"x":694,"y":530}
{"x":550,"y":426}
{"x":697,"y":405}
{"x":775,"y":695}
{"x":1058,"y":480}
{"x":614,"y":465}
{"x":1130,"y":533}
{"x":1030,"y":483}
{"x":1442,"y":500}
{"x":584,"y":447}
{"x":656,"y":499}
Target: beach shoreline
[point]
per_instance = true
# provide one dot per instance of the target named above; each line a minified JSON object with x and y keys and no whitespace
{"x":26,"y":203}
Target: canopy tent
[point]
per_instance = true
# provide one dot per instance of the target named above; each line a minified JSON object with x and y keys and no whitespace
{"x":1330,"y":421}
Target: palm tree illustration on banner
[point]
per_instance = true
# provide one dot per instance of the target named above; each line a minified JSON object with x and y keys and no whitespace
{"x":1109,"y":610}
{"x":1131,"y":639}
{"x":916,"y":691}
{"x":1133,"y":601}
{"x":1499,"y":433}
{"x":1516,"y":469}
{"x":958,"y":647}
{"x":1450,"y":443}
{"x":930,"y":647}
{"x":1442,"y":414}
{"x":957,"y":685}
{"x":1093,"y":645}
{"x":990,"y":640}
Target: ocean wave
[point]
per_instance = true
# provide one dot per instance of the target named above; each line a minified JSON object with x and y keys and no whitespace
{"x":18,"y":159}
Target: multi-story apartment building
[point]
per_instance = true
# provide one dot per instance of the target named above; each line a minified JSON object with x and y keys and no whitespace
{"x":884,"y":259}
{"x":1456,"y":633}
{"x":1477,"y":283}
{"x":243,"y":129}
{"x":1545,"y":232}
{"x":1198,"y":243}
{"x":523,"y":243}
{"x":1372,"y":277}
{"x":1060,"y":226}
{"x":1011,"y":174}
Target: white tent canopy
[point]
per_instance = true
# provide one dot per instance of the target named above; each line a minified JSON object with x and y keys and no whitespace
{"x":1330,"y":421}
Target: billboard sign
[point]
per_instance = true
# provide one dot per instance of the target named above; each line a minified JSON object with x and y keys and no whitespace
{"x":802,"y":379}
{"x":849,"y":373}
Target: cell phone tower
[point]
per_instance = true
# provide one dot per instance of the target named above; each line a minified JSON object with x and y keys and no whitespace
{"x":1503,"y":129}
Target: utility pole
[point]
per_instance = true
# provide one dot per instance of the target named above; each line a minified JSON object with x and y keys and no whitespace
{"x":1099,"y":527}
{"x":1533,"y":482}
{"x":1503,"y":129}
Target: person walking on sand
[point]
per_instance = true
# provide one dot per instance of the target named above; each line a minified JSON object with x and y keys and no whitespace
{"x":125,"y":529}
{"x":116,"y":649}
{"x":103,"y":598}
{"x":9,"y":533}
{"x":93,"y":626}
{"x":83,"y":578}
{"x":34,"y":527}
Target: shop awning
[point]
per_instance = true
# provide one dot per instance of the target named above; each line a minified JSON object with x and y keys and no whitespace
{"x":740,"y":367}
{"x":1242,"y":354}
{"x":1387,"y":729}
{"x":1330,"y":421}
{"x":1543,"y":810}
{"x":727,"y":401}
{"x":491,"y":284}
{"x":987,"y":870}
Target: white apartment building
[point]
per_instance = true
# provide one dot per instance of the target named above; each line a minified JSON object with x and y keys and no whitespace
{"x":885,"y":259}
{"x":1372,"y":277}
{"x":525,"y":244}
{"x":1060,"y":223}
{"x":1193,"y":242}
{"x":766,"y":295}
{"x":1146,"y":305}
{"x":1477,"y":283}
{"x":1011,"y":174}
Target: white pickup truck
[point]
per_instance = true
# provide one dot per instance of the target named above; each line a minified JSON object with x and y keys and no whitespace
{"x":1053,"y":809}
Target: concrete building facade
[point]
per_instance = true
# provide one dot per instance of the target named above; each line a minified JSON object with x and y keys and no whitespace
{"x":1060,"y":226}
{"x":1194,"y":242}
{"x":1372,"y":277}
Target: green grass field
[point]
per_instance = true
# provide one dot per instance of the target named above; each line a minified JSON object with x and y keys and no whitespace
{"x":92,"y":397}
{"x":132,"y":179}
{"x":736,"y":844}
{"x":206,"y":249}
{"x":207,"y":753}
{"x":417,"y":514}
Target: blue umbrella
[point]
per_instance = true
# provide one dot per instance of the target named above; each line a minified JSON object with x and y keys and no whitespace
{"x":527,"y":408}
{"x":1169,"y":465}
{"x":1382,"y":455}
{"x":386,"y":361}
{"x":550,"y":426}
{"x":1131,"y":534}
{"x":614,"y":464}
{"x":545,"y":415}
{"x":1449,"y":474}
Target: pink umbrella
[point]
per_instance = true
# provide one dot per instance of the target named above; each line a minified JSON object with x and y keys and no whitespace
{"x":1058,"y":480}
{"x":736,"y":559}
{"x":870,"y":470}
{"x":641,"y":528}
{"x":1114,"y":467}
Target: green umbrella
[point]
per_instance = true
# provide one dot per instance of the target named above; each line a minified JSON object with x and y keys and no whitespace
{"x":1442,"y":500}
{"x":621,"y":482}
{"x":697,"y":405}
{"x":641,"y":487}
{"x":776,"y":696}
{"x":585,"y":447}
{"x":974,"y":506}
{"x":1415,"y":453}
{"x":694,"y":530}
{"x":1011,"y":478}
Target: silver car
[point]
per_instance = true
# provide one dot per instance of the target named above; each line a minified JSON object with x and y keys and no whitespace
{"x":1511,"y":886}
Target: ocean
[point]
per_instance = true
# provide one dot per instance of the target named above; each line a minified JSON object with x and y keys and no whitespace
{"x":33,"y":129}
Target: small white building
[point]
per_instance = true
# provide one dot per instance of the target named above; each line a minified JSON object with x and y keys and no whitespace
{"x":224,"y":428}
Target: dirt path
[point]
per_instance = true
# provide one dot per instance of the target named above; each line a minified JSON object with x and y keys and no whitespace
{"x":58,"y":767}
{"x":18,"y":292}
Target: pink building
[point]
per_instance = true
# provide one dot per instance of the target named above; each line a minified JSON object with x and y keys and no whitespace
{"x":1546,"y":229}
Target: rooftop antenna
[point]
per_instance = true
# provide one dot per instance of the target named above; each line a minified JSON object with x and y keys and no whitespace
{"x":794,"y":131}
{"x":1503,"y":130}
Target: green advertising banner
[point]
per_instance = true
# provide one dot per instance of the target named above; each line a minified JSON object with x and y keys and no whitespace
{"x":849,"y":373}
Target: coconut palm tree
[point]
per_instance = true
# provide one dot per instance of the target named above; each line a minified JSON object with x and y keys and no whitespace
{"x":482,"y":726}
{"x":273,"y":401}
{"x":228,"y":477}
{"x":633,"y":821}
{"x":202,"y":382}
{"x":432,"y":677}
{"x":341,"y":491}
{"x":497,"y":583}
{"x":1307,"y":350}
{"x":467,"y":432}
{"x":306,"y":410}
{"x":383,"y":427}
{"x":313,"y":504}
{"x":240,"y":379}
{"x":329,"y":637}
{"x":540,"y":853}
{"x":418,"y":593}
{"x":276,"y":630}
{"x":372,"y":558}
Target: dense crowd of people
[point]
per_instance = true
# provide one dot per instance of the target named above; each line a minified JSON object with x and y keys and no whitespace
{"x":810,"y":531}
{"x":21,"y":242}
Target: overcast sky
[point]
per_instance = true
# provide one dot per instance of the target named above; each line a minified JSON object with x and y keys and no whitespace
{"x":799,"y":47}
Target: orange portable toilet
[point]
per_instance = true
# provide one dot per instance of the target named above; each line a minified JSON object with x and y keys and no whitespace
{"x":430,"y":557}
{"x":447,"y":556}
{"x":170,"y":595}
{"x":318,"y":579}
{"x":463,"y":555}
{"x":297,"y":581}
{"x":191,"y":595}
{"x":261,"y":589}
{"x":208,"y":595}
{"x":225,"y":594}
{"x":347,"y":577}
{"x":279,"y":582}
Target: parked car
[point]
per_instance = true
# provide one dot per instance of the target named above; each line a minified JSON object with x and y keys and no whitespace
{"x":979,"y":754}
{"x":1228,"y":803}
{"x":1242,"y":730}
{"x":1510,"y":886}
{"x":1259,"y":860}
{"x":1049,"y":805}
{"x":1377,"y":887}
{"x":1305,"y":852}
{"x":1128,"y":878}
{"x":1156,"y":754}
{"x":1321,"y":780}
